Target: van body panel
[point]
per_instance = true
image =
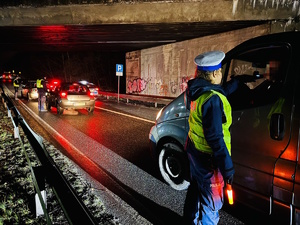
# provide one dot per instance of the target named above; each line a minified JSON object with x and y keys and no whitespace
{"x":175,"y":110}
{"x":177,"y":131}
{"x":295,"y":145}
{"x":173,"y":122}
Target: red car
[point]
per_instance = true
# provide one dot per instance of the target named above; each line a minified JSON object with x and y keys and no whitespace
{"x":7,"y":76}
{"x":52,"y":84}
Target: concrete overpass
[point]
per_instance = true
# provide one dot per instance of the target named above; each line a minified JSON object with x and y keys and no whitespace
{"x":141,"y":28}
{"x":131,"y":25}
{"x":31,"y":12}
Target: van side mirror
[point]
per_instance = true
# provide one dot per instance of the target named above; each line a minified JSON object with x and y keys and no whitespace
{"x":277,"y":127}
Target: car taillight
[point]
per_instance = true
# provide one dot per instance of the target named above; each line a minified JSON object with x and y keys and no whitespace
{"x":3,"y":76}
{"x":91,"y":94}
{"x":63,"y":94}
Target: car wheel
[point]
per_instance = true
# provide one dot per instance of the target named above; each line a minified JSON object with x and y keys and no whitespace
{"x":59,"y":109}
{"x":91,"y":110}
{"x":173,"y":166}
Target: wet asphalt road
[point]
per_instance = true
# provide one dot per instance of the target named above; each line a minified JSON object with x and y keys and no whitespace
{"x":118,"y":144}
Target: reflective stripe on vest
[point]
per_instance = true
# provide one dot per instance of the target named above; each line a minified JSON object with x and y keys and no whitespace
{"x":15,"y":84}
{"x":196,"y":133}
{"x":39,"y":83}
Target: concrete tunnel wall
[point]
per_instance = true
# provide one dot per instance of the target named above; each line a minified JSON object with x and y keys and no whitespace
{"x":165,"y":70}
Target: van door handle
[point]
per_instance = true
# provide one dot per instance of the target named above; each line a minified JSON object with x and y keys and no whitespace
{"x":277,"y":126}
{"x":176,"y":115}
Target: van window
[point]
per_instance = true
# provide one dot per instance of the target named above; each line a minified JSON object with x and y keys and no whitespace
{"x":265,"y":70}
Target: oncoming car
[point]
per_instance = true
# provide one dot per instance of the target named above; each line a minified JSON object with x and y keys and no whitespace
{"x":265,"y":127}
{"x":70,"y":96}
{"x":29,"y":90}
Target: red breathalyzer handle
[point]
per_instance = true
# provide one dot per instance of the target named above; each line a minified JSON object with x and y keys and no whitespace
{"x":229,"y":194}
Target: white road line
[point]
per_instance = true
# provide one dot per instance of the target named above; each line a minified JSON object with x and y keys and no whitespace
{"x":123,"y":114}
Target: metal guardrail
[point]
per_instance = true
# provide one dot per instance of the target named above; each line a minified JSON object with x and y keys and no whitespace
{"x":157,"y":101}
{"x":74,"y":209}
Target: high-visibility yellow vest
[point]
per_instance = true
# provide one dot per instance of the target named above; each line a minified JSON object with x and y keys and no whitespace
{"x":15,"y":83}
{"x":39,"y":83}
{"x":196,"y":133}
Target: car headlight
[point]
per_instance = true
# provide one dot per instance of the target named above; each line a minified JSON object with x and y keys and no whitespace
{"x":159,"y":114}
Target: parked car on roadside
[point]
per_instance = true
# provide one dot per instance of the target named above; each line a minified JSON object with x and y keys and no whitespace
{"x":92,"y":87}
{"x":29,"y":90}
{"x":265,"y":127}
{"x":70,"y":96}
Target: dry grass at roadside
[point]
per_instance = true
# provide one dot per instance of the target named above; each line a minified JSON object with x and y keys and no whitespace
{"x":17,"y":192}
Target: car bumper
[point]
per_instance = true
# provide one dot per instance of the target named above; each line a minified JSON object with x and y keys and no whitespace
{"x":153,"y":137}
{"x":76,"y":105}
{"x":34,"y":95}
{"x":7,"y":80}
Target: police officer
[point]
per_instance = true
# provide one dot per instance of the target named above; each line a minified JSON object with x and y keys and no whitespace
{"x":42,"y":89}
{"x":209,"y":143}
{"x":16,"y":84}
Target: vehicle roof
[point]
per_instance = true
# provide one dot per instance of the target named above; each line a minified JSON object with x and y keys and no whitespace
{"x":291,"y":38}
{"x":91,"y":84}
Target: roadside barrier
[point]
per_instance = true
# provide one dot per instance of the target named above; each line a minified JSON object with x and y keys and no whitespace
{"x":74,"y":209}
{"x":155,"y":101}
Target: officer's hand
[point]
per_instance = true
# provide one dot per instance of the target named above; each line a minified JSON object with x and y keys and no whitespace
{"x":244,"y":78}
{"x":229,"y":180}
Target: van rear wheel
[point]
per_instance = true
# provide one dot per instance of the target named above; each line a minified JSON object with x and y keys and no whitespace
{"x":173,"y":166}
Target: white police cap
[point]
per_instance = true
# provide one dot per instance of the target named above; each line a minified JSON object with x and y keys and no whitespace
{"x":209,"y":61}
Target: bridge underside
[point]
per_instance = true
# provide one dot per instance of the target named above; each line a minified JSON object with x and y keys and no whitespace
{"x":128,"y":26}
{"x":109,"y":37}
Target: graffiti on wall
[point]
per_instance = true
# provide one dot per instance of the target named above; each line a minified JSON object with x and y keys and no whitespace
{"x":136,"y":86}
{"x":156,"y":86}
{"x":238,"y":70}
{"x":164,"y":90}
{"x":183,"y":84}
{"x":173,"y":87}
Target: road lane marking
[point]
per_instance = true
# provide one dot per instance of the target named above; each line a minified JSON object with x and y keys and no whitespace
{"x":123,"y":114}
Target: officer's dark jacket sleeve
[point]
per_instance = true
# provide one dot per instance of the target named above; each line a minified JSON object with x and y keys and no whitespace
{"x":231,"y":86}
{"x":212,"y":112}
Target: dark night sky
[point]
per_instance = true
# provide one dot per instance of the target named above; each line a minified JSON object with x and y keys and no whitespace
{"x":96,"y":67}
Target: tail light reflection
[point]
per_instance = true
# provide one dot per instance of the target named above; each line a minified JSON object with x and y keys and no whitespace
{"x":63,"y":94}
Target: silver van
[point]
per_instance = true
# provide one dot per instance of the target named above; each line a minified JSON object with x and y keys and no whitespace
{"x":265,"y":128}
